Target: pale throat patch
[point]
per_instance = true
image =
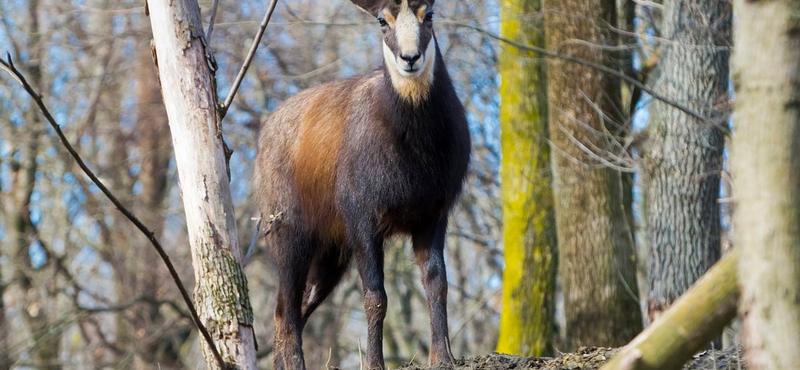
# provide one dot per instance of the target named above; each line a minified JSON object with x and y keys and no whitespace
{"x":414,"y":89}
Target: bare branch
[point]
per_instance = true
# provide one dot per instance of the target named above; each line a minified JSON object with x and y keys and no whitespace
{"x":250,"y":55}
{"x":145,"y":299}
{"x":211,"y":22}
{"x":568,"y":58}
{"x":9,"y":67}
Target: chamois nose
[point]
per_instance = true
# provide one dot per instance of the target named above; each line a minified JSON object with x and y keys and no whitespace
{"x":410,"y":59}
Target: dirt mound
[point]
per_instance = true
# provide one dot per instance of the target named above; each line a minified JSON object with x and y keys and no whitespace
{"x":586,"y":358}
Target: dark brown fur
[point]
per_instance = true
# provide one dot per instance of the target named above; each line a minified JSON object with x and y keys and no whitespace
{"x":348,"y":164}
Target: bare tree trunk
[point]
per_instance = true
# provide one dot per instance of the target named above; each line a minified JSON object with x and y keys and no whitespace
{"x":38,"y":303}
{"x":37,"y":299}
{"x":5,"y":346}
{"x":189,"y":95}
{"x":592,"y":203}
{"x":766,"y":165}
{"x":683,"y":156}
{"x":155,"y":150}
{"x":527,"y":323}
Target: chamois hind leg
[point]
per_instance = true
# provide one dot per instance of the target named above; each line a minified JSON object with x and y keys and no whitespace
{"x":326,"y":272}
{"x":429,"y":252}
{"x":292,"y":260}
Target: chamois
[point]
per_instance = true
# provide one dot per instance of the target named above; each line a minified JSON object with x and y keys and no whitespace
{"x":343,"y":166}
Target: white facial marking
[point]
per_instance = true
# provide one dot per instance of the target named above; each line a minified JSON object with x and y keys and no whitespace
{"x":406,"y":29}
{"x":389,"y":58}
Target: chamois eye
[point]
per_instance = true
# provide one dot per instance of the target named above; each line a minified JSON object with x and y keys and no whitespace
{"x":429,"y":17}
{"x":382,"y":22}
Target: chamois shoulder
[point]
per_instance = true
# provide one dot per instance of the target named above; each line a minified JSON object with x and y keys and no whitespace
{"x":286,"y":123}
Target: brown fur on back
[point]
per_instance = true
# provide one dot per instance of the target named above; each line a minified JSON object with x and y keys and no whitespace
{"x":302,"y":140}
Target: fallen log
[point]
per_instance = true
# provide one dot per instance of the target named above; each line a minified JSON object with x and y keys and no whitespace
{"x":688,"y":326}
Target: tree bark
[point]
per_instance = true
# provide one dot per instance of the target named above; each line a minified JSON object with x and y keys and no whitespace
{"x":527,"y":322}
{"x":592,"y":202}
{"x":765,"y":161}
{"x":188,"y":91}
{"x":38,"y":300}
{"x":683,"y":155}
{"x":5,"y":346}
{"x":684,"y":329}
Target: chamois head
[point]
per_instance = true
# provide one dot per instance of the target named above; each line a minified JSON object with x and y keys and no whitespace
{"x":408,"y":43}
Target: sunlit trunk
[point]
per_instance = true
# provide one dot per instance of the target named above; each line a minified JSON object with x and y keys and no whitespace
{"x":765,"y":161}
{"x":188,"y":90}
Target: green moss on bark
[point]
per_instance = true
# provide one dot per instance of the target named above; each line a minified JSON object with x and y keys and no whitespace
{"x":527,"y":320}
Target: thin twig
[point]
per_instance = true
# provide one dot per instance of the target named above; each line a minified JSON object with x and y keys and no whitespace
{"x":250,"y":55}
{"x":330,"y":352}
{"x":554,"y":55}
{"x":594,"y":152}
{"x":9,"y":67}
{"x":253,"y":242}
{"x":412,"y":358}
{"x":360,"y":359}
{"x":136,"y":301}
{"x":211,"y":22}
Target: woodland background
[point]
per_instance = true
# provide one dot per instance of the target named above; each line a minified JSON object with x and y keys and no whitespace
{"x":612,"y":203}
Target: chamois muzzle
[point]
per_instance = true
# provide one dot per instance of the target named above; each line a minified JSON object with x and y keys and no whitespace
{"x":410,"y":60}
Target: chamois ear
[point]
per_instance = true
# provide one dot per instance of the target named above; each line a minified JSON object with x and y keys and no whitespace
{"x":371,"y":7}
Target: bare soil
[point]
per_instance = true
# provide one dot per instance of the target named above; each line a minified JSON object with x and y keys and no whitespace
{"x":586,"y":358}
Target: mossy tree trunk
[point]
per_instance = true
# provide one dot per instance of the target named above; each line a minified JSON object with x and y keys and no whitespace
{"x":187,"y":87}
{"x":683,"y":155}
{"x":527,"y":321}
{"x":592,"y":202}
{"x":765,"y":161}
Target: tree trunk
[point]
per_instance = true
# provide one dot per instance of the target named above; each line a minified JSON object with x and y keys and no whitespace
{"x":153,"y":145}
{"x":592,"y":202}
{"x":527,"y":322}
{"x":5,"y":346}
{"x":38,"y":300}
{"x":683,"y":156}
{"x":188,"y":92}
{"x":765,"y":161}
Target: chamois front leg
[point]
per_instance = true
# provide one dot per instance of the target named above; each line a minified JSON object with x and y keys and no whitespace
{"x":429,"y":252}
{"x":369,"y":258}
